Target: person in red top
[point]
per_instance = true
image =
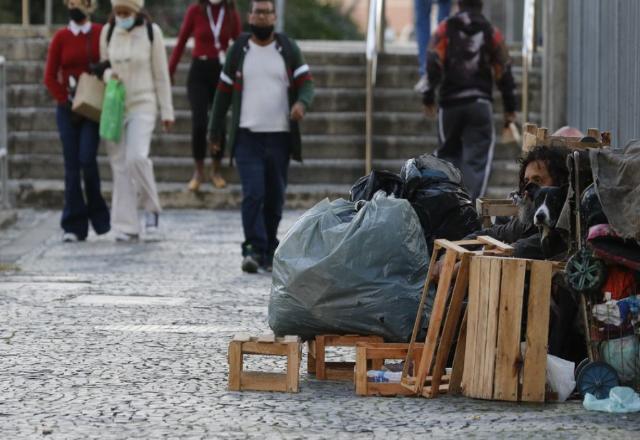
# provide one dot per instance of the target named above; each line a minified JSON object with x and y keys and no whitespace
{"x":71,"y":52}
{"x":213,"y":25}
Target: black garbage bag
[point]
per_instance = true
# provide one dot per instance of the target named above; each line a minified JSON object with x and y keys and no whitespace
{"x":366,"y":186}
{"x":345,"y":272}
{"x":435,"y":190}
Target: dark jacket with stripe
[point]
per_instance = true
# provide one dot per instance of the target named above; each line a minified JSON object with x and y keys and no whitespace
{"x":229,"y":92}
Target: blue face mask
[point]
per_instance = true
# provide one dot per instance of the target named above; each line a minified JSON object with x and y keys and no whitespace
{"x":125,"y":23}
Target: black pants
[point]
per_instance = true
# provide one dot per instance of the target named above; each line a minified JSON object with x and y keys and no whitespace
{"x":201,"y":89}
{"x":467,"y":139}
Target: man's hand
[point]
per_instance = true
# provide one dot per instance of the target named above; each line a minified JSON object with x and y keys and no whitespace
{"x":430,"y":111}
{"x":297,"y":112}
{"x":166,"y":125}
{"x":509,"y":117}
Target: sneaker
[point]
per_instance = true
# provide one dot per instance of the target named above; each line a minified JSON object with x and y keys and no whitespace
{"x":151,"y":220}
{"x":123,"y":237}
{"x":421,"y":85}
{"x":70,"y":237}
{"x":267,"y":264}
{"x":250,"y":264}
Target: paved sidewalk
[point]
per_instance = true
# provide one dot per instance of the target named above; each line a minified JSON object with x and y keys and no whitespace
{"x":105,"y":340}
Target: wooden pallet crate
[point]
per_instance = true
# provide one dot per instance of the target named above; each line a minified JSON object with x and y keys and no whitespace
{"x":323,"y":370}
{"x":533,"y":136}
{"x":488,"y":208}
{"x":244,"y":344}
{"x":446,"y":318}
{"x":500,"y":289}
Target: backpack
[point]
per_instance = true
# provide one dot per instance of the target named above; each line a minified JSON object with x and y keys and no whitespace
{"x":112,"y":27}
{"x":233,"y":58}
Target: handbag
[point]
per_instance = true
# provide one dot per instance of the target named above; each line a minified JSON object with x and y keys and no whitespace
{"x":89,"y":97}
{"x":113,"y":111}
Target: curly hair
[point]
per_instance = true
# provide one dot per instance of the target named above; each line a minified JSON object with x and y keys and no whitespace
{"x":554,"y":158}
{"x":88,"y":6}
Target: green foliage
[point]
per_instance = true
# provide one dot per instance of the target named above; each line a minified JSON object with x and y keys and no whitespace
{"x":304,"y":19}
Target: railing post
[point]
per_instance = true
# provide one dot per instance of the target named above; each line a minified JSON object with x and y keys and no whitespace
{"x":48,"y":12}
{"x":528,"y":47}
{"x":25,"y":13}
{"x":280,"y":8}
{"x":4,"y":150}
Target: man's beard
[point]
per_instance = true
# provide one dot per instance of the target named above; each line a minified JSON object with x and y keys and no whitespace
{"x":526,"y":210}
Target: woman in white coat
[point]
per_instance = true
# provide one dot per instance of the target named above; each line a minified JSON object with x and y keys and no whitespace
{"x":133,"y":51}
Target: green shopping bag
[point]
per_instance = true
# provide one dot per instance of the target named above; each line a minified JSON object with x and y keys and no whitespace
{"x":112,"y":115}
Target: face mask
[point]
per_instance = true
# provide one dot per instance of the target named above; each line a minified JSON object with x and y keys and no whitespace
{"x":215,"y":2}
{"x":262,"y":33}
{"x":75,"y":14}
{"x":125,"y":23}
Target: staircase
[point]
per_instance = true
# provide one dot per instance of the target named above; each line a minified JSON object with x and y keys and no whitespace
{"x":333,"y":131}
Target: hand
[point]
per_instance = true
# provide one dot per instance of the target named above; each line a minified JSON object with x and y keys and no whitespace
{"x":166,"y":125}
{"x":115,"y":76}
{"x":509,"y":117}
{"x":430,"y":111}
{"x":214,"y":147}
{"x":297,"y":112}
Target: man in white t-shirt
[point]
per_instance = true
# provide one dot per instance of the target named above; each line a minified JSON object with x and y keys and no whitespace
{"x":269,"y":88}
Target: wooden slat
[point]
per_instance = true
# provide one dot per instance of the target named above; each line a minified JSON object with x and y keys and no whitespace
{"x":492,"y":328}
{"x":455,"y":384}
{"x":509,"y":322}
{"x":497,"y":243}
{"x":242,"y":337}
{"x":535,"y":361}
{"x":451,"y":323}
{"x":320,"y":356}
{"x":293,"y":367}
{"x":349,"y":340}
{"x":435,"y":320}
{"x":387,"y":389}
{"x":453,"y":246}
{"x":388,"y":350}
{"x":264,"y":348}
{"x":340,"y":374}
{"x":267,"y":337}
{"x":255,"y":381}
{"x":481,"y":337}
{"x":361,"y":371}
{"x":472,"y":326}
{"x":235,"y":365}
{"x":311,"y":357}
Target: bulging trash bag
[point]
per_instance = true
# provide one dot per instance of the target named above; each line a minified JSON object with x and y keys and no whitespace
{"x":623,"y":354}
{"x":338,"y":271}
{"x":112,"y":116}
{"x":621,"y":400}
{"x":434,"y":189}
{"x":366,"y":186}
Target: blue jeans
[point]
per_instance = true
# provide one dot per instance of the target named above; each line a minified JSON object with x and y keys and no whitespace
{"x":263,"y":164}
{"x":422,"y":16}
{"x":80,"y":139}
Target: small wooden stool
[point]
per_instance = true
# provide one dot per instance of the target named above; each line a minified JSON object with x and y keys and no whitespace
{"x":335,"y":370}
{"x":289,"y":346}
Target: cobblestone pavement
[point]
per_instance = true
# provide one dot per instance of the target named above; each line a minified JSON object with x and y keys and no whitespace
{"x":106,"y":340}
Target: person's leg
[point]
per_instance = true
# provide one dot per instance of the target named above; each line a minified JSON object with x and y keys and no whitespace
{"x":216,"y":176}
{"x":450,"y":123}
{"x":276,"y":177}
{"x":197,"y":92}
{"x":250,"y":161}
{"x":478,"y":140}
{"x":444,"y":9}
{"x":97,"y":207}
{"x":138,"y":163}
{"x":74,"y":214}
{"x":124,"y":211}
{"x":422,"y":20}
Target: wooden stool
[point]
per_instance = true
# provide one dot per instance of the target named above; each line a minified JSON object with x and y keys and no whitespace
{"x":289,"y":346}
{"x":335,"y":370}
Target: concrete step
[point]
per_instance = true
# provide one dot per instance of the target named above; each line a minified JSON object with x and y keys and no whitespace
{"x":180,"y":169}
{"x":315,"y":146}
{"x":326,"y":99}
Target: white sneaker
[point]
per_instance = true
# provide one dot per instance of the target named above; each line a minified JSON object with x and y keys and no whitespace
{"x":70,"y":237}
{"x":152,"y":230}
{"x":123,"y":237}
{"x":421,"y":85}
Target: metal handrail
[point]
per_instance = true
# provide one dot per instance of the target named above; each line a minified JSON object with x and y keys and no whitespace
{"x":528,"y":48}
{"x":375,"y":45}
{"x":4,"y":150}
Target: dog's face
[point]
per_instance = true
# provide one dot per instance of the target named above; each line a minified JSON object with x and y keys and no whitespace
{"x":548,"y":201}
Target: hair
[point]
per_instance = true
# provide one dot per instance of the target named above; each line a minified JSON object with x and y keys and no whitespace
{"x":231,"y":4}
{"x":89,"y":5}
{"x":471,"y":4}
{"x":554,"y":158}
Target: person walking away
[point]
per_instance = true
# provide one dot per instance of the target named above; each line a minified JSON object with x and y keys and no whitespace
{"x":466,"y":55}
{"x":134,"y":50}
{"x":269,"y":88}
{"x":422,"y":26}
{"x":213,"y":24}
{"x":70,"y":54}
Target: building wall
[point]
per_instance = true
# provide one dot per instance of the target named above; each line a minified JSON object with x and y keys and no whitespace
{"x":604,"y":67}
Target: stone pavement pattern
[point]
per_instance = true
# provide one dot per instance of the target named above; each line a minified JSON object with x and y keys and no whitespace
{"x":108,"y":340}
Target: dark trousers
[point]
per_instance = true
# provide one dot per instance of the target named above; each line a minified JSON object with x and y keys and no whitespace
{"x":467,"y":140}
{"x":201,"y":90}
{"x":263,"y":164}
{"x":80,"y":140}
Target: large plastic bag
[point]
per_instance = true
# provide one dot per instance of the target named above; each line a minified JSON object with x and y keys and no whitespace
{"x":112,"y":115}
{"x":560,"y":376}
{"x":623,"y":354}
{"x":621,"y":400}
{"x":366,"y":186}
{"x":342,"y":271}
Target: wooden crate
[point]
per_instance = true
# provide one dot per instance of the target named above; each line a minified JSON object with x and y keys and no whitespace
{"x":369,"y":353}
{"x":500,"y":289}
{"x":323,"y":370}
{"x":269,"y":345}
{"x":488,"y":208}
{"x":533,"y":136}
{"x":446,"y":316}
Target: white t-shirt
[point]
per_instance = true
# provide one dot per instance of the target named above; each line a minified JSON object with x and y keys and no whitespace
{"x":265,"y":101}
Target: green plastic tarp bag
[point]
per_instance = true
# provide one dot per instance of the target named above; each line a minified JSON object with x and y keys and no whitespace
{"x":112,"y":115}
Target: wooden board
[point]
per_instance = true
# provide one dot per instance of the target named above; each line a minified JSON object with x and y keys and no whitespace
{"x":235,"y":365}
{"x":272,"y":349}
{"x":493,"y":293}
{"x":293,"y":367}
{"x":535,"y":361}
{"x":455,"y":384}
{"x":258,"y":381}
{"x":509,"y":322}
{"x":481,"y":328}
{"x":472,"y":327}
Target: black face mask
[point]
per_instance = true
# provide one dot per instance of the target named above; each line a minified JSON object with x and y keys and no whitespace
{"x":262,"y":33}
{"x":77,"y":15}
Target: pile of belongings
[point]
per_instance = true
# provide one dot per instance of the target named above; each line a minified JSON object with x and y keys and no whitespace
{"x":359,"y":266}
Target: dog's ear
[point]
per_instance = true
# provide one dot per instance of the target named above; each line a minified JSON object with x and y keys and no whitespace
{"x":531,"y":191}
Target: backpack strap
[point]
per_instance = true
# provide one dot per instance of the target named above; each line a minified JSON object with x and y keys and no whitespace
{"x":112,"y":27}
{"x":286,"y":47}
{"x":233,"y":58}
